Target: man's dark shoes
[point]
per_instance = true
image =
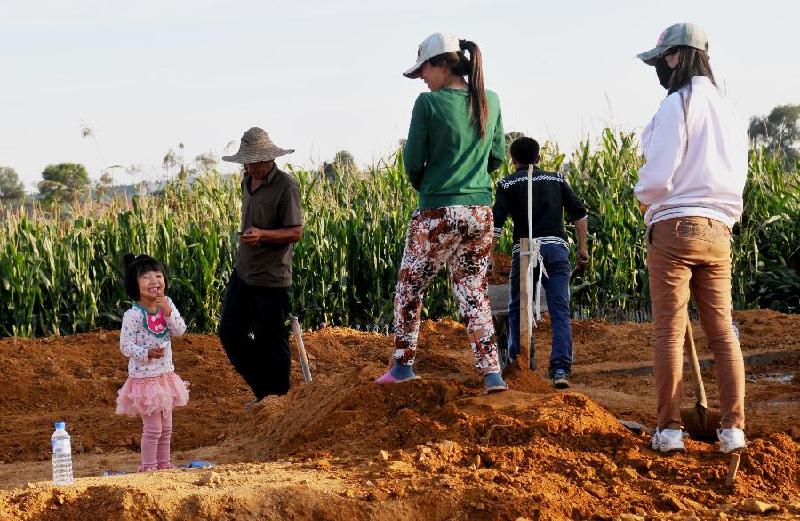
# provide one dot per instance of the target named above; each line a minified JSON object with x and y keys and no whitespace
{"x":560,"y":379}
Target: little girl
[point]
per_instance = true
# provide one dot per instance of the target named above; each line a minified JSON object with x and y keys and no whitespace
{"x":152,"y":388}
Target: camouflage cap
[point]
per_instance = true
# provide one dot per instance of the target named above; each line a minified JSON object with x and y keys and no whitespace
{"x":687,"y":34}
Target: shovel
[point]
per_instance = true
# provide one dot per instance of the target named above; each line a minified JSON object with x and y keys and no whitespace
{"x":301,"y":350}
{"x":699,"y":421}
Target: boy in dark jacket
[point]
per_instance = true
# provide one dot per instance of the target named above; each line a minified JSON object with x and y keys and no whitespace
{"x":551,"y":197}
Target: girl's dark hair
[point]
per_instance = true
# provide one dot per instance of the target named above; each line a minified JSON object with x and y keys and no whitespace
{"x":133,"y":266}
{"x":692,"y":62}
{"x":472,"y":68}
{"x":524,"y":151}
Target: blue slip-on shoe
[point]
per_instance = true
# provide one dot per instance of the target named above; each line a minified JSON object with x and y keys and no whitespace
{"x":397,"y":374}
{"x":494,"y":383}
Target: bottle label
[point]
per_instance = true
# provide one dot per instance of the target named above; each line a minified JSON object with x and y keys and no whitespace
{"x":61,"y":446}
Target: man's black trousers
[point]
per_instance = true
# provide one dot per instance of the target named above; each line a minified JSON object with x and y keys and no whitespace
{"x":254,"y":332}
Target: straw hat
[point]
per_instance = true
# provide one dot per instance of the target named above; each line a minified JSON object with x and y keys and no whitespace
{"x":256,"y":146}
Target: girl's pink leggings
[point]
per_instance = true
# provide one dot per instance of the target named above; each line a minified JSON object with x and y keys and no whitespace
{"x":156,"y":438}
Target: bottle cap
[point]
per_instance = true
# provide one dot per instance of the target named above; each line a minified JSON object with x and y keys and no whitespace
{"x":61,"y":425}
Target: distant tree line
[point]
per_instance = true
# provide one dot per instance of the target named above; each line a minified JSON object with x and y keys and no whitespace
{"x":779,"y":131}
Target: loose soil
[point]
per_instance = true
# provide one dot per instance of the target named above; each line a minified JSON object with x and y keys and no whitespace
{"x":501,"y":268}
{"x":437,"y":448}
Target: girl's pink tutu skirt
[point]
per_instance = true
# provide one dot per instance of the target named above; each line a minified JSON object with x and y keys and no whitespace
{"x":144,"y":396}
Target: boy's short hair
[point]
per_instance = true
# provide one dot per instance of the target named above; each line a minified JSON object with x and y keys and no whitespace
{"x":136,"y":265}
{"x":525,"y":151}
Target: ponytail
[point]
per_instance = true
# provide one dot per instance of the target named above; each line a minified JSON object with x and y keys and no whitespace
{"x":127,"y":260}
{"x":473,"y":69}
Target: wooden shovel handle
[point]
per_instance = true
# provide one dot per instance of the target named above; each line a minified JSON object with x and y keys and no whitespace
{"x":700,"y":390}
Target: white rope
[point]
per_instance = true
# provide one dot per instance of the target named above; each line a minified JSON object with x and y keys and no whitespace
{"x":536,"y":260}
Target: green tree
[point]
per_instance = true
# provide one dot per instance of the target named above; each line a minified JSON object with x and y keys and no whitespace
{"x":11,"y":188}
{"x":343,"y":163}
{"x":779,"y":131}
{"x":63,"y":182}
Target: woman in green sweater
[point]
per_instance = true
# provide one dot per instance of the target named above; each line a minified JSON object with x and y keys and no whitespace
{"x":455,"y":140}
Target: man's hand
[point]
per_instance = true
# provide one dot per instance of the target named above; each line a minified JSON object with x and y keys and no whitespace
{"x":252,"y":236}
{"x":155,"y":352}
{"x":582,"y":259}
{"x":162,"y":302}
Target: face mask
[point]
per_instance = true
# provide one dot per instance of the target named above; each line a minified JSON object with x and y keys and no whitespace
{"x":664,"y":72}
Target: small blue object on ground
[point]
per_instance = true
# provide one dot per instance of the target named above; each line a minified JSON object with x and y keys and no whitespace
{"x":110,"y":473}
{"x":199,"y":464}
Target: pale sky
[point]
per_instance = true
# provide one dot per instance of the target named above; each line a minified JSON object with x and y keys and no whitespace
{"x":322,"y":76}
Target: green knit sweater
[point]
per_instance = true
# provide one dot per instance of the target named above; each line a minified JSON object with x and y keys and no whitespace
{"x":446,"y":161}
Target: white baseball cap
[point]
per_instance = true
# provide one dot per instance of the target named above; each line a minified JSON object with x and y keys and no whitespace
{"x":433,"y":45}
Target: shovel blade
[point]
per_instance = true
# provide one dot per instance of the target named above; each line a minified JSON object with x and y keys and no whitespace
{"x":700,"y":423}
{"x":702,"y":416}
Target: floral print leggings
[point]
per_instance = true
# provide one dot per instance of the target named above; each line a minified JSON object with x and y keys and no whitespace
{"x":461,"y":238}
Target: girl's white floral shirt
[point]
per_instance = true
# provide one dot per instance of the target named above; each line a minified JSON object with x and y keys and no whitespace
{"x":142,"y":331}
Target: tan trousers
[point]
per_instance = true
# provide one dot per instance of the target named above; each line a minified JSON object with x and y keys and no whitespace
{"x":693,"y":254}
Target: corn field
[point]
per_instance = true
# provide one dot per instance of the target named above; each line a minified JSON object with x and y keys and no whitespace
{"x":61,"y":274}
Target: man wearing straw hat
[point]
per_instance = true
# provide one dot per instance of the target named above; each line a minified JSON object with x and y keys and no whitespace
{"x":255,"y":311}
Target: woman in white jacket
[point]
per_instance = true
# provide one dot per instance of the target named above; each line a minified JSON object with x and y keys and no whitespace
{"x":690,"y":190}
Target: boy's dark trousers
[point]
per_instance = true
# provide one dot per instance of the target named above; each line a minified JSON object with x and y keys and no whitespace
{"x":254,"y":332}
{"x":556,"y":287}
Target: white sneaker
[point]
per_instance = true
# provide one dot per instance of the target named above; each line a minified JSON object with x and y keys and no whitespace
{"x":731,"y":440}
{"x":668,"y":440}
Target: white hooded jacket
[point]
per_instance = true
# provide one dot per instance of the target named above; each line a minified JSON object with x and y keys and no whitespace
{"x":695,"y":150}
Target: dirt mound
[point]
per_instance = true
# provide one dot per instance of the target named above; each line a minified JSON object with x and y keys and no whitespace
{"x":437,"y":448}
{"x":76,"y":379}
{"x":493,"y":451}
{"x":236,"y":492}
{"x":345,"y":413}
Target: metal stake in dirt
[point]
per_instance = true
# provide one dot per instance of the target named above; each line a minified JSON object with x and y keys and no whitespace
{"x":301,"y":349}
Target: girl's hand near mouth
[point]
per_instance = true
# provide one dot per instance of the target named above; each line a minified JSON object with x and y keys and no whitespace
{"x":161,"y":301}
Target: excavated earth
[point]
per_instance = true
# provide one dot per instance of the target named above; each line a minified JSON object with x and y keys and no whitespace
{"x":342,"y":448}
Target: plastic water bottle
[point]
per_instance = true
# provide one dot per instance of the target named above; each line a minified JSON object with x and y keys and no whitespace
{"x":62,"y":455}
